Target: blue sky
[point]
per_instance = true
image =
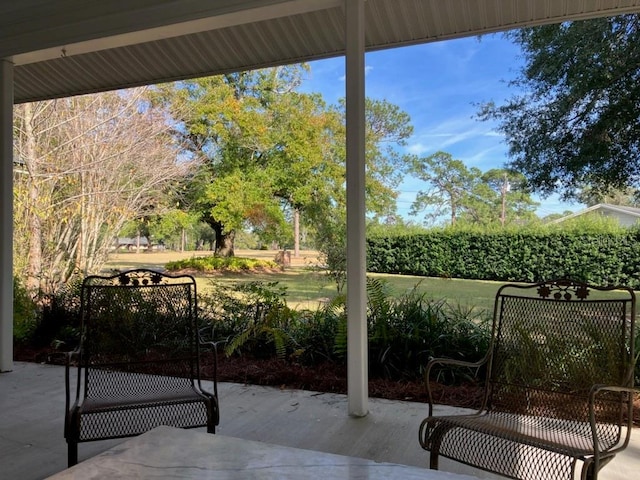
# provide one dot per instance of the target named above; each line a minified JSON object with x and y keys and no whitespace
{"x":439,"y":85}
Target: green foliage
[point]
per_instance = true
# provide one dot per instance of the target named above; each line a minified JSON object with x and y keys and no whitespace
{"x":332,"y":246}
{"x":591,"y":223}
{"x":130,"y":323}
{"x":25,"y":313}
{"x":316,"y":332}
{"x":468,"y":195}
{"x":266,"y":149}
{"x":51,"y":320}
{"x":60,"y":321}
{"x":569,"y":362}
{"x":212,"y":264}
{"x":405,"y":331}
{"x":252,"y":318}
{"x":172,"y":226}
{"x":604,"y":257}
{"x":575,"y":122}
{"x":629,"y":197}
{"x":380,"y":229}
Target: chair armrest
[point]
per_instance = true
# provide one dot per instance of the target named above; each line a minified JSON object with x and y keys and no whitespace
{"x":446,"y":361}
{"x":213,"y":345}
{"x":593,"y":394}
{"x":69,"y":358}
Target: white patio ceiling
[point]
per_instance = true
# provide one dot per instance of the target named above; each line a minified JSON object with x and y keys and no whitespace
{"x":68,"y":47}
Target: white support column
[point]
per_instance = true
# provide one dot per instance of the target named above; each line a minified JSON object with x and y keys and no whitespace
{"x":6,"y":215}
{"x":357,"y":345}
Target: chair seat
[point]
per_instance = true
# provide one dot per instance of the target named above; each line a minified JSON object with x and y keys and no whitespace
{"x":123,"y":402}
{"x":562,"y":436}
{"x":126,"y":420}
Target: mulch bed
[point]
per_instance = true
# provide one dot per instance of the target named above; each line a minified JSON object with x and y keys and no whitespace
{"x":332,"y":378}
{"x":327,"y":377}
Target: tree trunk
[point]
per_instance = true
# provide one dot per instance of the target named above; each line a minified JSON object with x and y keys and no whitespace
{"x":224,"y":241}
{"x":34,"y":259}
{"x":296,"y":233}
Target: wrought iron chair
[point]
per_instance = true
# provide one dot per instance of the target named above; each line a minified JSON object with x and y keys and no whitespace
{"x":559,"y":385}
{"x":139,"y":360}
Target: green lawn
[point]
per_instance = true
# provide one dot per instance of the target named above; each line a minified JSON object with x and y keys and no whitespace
{"x":306,"y":286}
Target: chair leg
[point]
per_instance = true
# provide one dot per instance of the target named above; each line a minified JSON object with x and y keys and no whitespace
{"x":589,"y":471}
{"x":436,"y":441}
{"x":211,"y":423}
{"x":433,"y":460}
{"x":72,"y":453}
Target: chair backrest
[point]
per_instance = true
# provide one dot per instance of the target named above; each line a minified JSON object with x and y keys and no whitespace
{"x":553,"y":341}
{"x":138,"y":322}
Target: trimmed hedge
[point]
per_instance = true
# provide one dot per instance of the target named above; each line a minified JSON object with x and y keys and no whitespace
{"x":211,"y":264}
{"x":610,"y":258}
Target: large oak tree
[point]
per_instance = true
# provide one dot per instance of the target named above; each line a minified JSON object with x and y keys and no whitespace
{"x":268,"y":152}
{"x":575,"y":122}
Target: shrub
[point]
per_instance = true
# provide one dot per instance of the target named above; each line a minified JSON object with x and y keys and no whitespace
{"x":25,"y":313}
{"x":218,"y":264}
{"x":51,"y":320}
{"x":59,"y":324}
{"x":603,"y":257}
{"x":406,"y":331}
{"x":315,"y":332}
{"x":251,"y":317}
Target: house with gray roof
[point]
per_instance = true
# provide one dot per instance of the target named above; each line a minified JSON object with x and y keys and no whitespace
{"x":626,"y":216}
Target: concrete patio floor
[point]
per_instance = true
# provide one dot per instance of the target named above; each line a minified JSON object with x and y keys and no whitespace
{"x":32,"y":412}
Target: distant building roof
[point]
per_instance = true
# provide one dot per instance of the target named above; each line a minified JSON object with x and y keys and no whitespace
{"x":626,"y":215}
{"x":132,"y":241}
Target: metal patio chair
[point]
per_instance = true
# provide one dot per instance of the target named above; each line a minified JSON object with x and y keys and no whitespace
{"x":139,"y":360}
{"x":558,"y":387}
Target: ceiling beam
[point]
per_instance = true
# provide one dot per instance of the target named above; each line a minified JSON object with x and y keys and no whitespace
{"x":242,"y":13}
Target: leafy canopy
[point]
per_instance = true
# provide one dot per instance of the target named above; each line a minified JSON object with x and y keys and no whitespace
{"x":267,"y":150}
{"x":469,"y":195}
{"x":576,"y":123}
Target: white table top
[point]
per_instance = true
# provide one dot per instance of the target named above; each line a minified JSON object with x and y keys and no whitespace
{"x":167,"y":452}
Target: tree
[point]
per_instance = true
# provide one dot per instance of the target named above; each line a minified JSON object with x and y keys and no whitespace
{"x":269,"y":153}
{"x":511,"y":196}
{"x":576,"y":122}
{"x":468,"y":195}
{"x":173,"y":228}
{"x":261,"y":146}
{"x":629,"y":197}
{"x":89,"y":164}
{"x":555,"y":216}
{"x":450,"y":182}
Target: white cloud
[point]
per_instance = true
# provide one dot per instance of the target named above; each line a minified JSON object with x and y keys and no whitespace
{"x":485,"y":159}
{"x":417,"y":148}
